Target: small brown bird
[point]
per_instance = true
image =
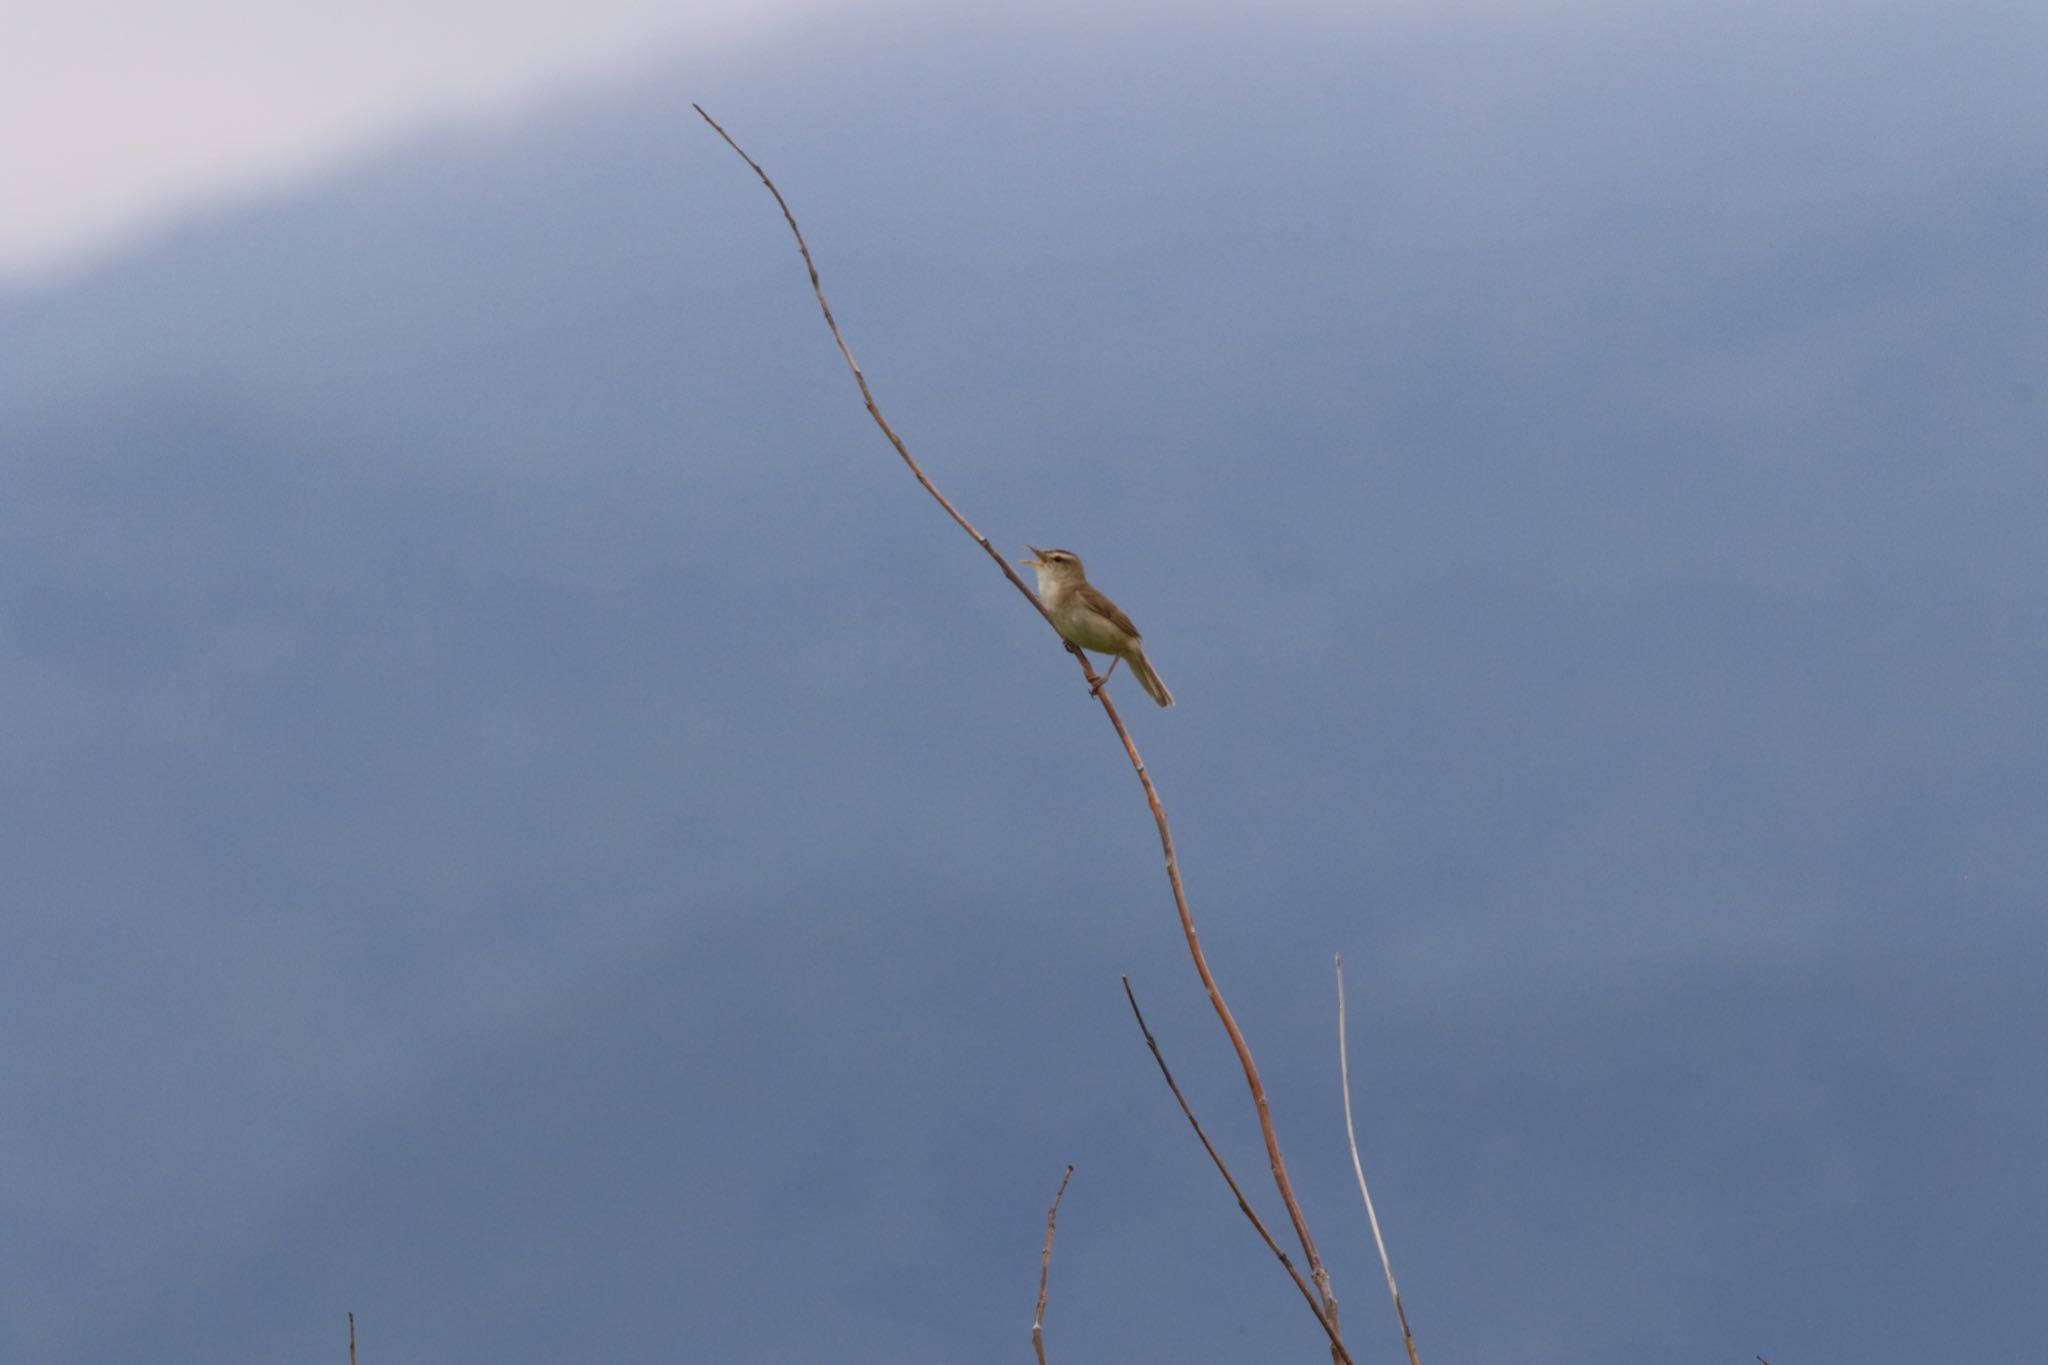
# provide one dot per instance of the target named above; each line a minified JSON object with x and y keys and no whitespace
{"x":1088,"y":619}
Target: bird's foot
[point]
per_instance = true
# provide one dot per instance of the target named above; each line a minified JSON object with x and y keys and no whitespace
{"x":1103,"y":681}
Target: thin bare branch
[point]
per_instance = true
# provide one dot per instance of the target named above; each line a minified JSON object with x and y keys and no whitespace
{"x":1244,"y":1205}
{"x":351,"y":1339}
{"x":1253,"y":1081}
{"x":867,"y":395}
{"x":1351,"y":1136}
{"x":1045,"y":1266}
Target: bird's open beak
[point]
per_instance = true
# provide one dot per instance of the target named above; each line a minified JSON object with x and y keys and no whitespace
{"x":1033,"y":563}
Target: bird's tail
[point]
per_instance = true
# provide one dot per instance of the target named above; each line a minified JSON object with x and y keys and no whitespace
{"x":1148,"y":679}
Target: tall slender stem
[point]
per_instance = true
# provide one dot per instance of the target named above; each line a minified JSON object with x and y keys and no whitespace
{"x":1180,"y":901}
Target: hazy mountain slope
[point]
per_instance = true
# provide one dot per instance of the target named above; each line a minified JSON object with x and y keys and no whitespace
{"x":524,"y":826}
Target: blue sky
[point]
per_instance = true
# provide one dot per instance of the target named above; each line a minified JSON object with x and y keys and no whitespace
{"x":528,"y":828}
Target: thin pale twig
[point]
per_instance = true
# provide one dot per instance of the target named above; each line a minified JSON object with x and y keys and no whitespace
{"x":1045,"y":1266}
{"x":1253,"y":1081}
{"x":1351,"y":1136}
{"x":1244,"y":1205}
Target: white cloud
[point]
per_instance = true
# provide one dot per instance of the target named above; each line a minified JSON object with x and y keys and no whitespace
{"x":116,"y":114}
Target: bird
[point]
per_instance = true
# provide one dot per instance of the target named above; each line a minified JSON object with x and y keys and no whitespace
{"x":1086,"y":618}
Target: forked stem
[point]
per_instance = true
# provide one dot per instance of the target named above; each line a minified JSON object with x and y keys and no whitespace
{"x":1180,"y":900}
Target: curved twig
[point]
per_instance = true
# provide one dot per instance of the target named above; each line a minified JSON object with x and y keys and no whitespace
{"x":1244,"y":1205}
{"x":867,"y":395}
{"x":1351,"y":1137}
{"x":1045,"y":1267}
{"x":1180,"y":900}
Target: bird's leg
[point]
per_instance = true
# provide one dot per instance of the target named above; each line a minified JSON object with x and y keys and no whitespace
{"x":1103,"y":682}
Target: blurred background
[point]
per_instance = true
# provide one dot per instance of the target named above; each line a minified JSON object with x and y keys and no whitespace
{"x":523,"y":823}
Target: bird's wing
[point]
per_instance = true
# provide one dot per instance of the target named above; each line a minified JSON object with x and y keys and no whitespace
{"x":1102,"y":604}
